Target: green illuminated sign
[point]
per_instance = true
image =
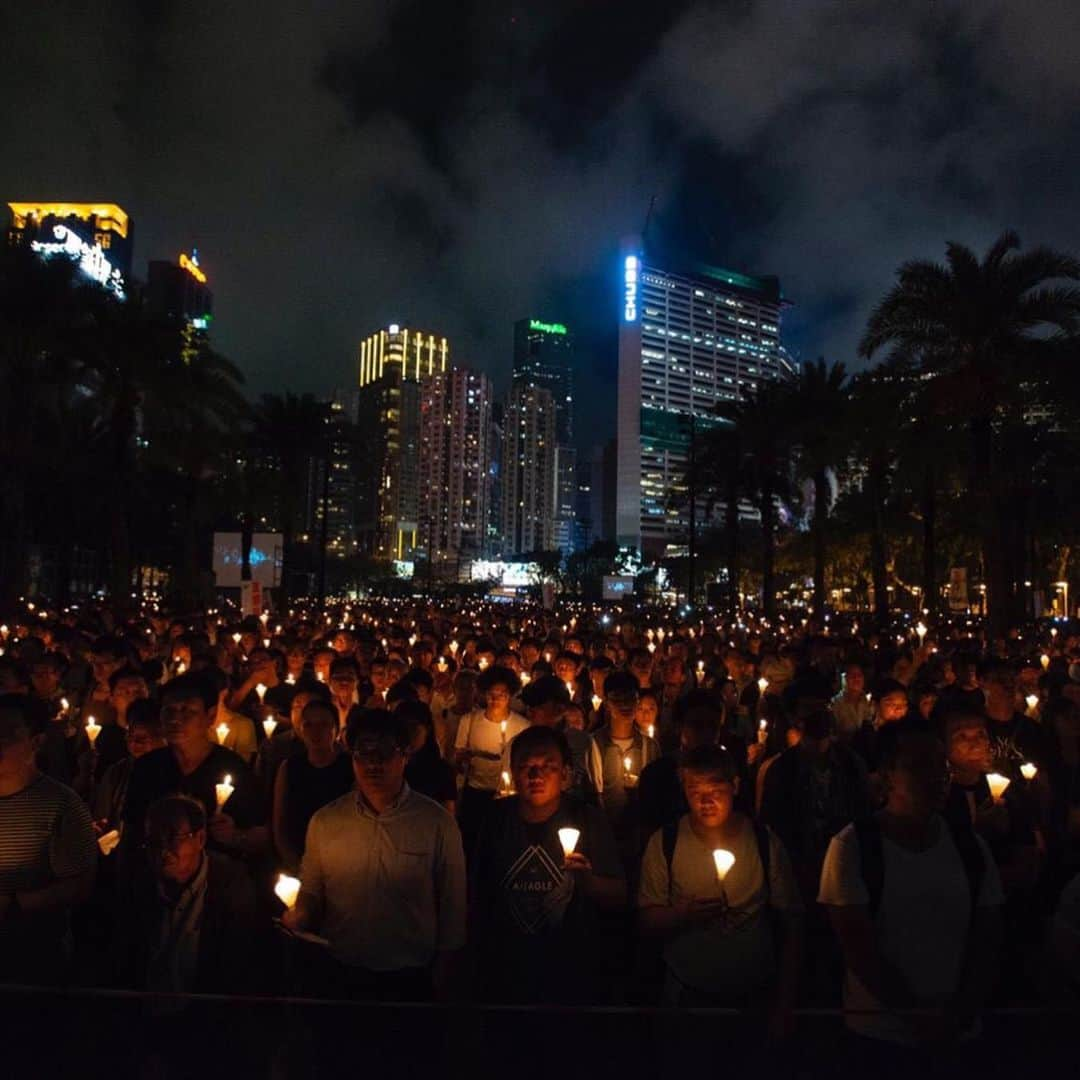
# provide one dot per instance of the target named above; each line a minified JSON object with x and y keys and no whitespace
{"x":547,"y":327}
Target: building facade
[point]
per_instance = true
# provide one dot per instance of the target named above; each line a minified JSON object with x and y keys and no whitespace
{"x":455,"y":468}
{"x":528,"y":464}
{"x":689,"y":339}
{"x":391,"y":364}
{"x":180,"y":292}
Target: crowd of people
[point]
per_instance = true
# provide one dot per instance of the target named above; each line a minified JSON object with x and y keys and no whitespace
{"x":412,"y":802}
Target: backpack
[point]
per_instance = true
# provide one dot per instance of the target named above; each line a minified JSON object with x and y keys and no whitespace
{"x":669,"y":837}
{"x":872,"y":860}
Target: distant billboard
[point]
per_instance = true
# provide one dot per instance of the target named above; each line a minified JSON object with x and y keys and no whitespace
{"x":507,"y":574}
{"x":264,"y":559}
{"x":618,"y":586}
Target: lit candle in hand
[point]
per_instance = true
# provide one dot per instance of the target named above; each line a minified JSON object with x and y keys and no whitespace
{"x":93,"y":730}
{"x":1028,"y":771}
{"x":1045,"y":661}
{"x":762,"y":685}
{"x":268,"y":725}
{"x":724,"y":861}
{"x":260,"y":689}
{"x":763,"y":731}
{"x":222,"y":732}
{"x":998,"y":784}
{"x":223,"y":791}
{"x":287,"y":890}
{"x":569,"y":838}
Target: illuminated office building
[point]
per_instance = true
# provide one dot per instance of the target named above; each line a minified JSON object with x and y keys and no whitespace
{"x":96,"y":236}
{"x":391,"y":364}
{"x":689,"y":338}
{"x":545,"y":357}
{"x":179,"y":291}
{"x":529,"y":460}
{"x":455,"y":461}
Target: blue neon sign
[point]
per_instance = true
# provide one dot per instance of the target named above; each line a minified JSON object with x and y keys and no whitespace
{"x":630,"y":287}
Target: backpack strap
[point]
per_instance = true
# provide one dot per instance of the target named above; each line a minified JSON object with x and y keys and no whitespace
{"x":971,"y":855}
{"x":871,"y":860}
{"x":669,"y":837}
{"x":764,"y":846}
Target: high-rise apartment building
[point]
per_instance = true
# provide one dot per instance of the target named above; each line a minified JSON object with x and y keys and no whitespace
{"x":180,"y":292}
{"x":544,"y":357}
{"x":391,"y":364}
{"x":528,"y":489}
{"x":454,"y":467}
{"x":689,"y":338}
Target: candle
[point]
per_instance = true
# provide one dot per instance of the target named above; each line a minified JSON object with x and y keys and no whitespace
{"x":266,"y":643}
{"x":700,"y":671}
{"x":652,"y":646}
{"x":287,"y":890}
{"x":222,"y":732}
{"x":627,"y":764}
{"x":454,"y":647}
{"x":1032,"y":702}
{"x":441,"y":666}
{"x":181,"y":667}
{"x":65,"y":705}
{"x":570,"y":690}
{"x":268,"y":725}
{"x":223,"y":791}
{"x":236,"y":638}
{"x":652,"y":731}
{"x":290,"y":679}
{"x":569,"y":838}
{"x":762,"y":685}
{"x":93,"y":730}
{"x":1028,"y":771}
{"x":1045,"y":661}
{"x":321,"y":676}
{"x":921,"y":631}
{"x":526,"y":678}
{"x":724,"y":861}
{"x":998,"y":784}
{"x":260,"y":689}
{"x":506,"y":783}
{"x":763,"y":731}
{"x":482,"y":663}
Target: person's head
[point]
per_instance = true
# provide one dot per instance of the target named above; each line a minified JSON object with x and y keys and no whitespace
{"x":464,"y":690}
{"x":892,"y":703}
{"x":295,"y":658}
{"x":600,"y":667}
{"x":968,"y":744}
{"x":418,"y":721}
{"x":144,"y":729}
{"x":379,"y":743}
{"x":854,"y":680}
{"x":343,"y":643}
{"x":46,"y":673}
{"x":420,"y":679}
{"x":574,"y":717}
{"x":498,"y":685}
{"x":816,"y":728}
{"x":318,"y":727}
{"x":20,"y":731}
{"x":698,"y":726}
{"x":648,"y":711}
{"x":710,"y":782}
{"x":641,"y":666}
{"x":176,"y":837}
{"x":125,"y":686}
{"x":729,"y":694}
{"x":107,"y":656}
{"x":913,"y":763}
{"x":926,"y":699}
{"x":621,"y":693}
{"x":300,"y":701}
{"x":674,"y":670}
{"x":540,"y":766}
{"x":545,"y":701}
{"x":999,"y":686}
{"x":566,"y":667}
{"x":737,"y":663}
{"x":344,"y":679}
{"x":187,"y":704}
{"x":321,"y":660}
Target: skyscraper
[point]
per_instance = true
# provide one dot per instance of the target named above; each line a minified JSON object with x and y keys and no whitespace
{"x":544,"y":357}
{"x":179,"y":292}
{"x":454,"y":464}
{"x":689,"y":338}
{"x":528,"y":491}
{"x":97,"y":236}
{"x":391,"y":364}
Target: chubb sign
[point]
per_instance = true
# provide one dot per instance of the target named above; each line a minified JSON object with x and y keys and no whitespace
{"x":631,"y":268}
{"x":91,"y":259}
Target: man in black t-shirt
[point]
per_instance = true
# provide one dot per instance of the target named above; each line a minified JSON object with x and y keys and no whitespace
{"x":532,"y":901}
{"x":191,"y":764}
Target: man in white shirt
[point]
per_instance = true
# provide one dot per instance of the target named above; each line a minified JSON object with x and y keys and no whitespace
{"x":899,"y":892}
{"x":383,"y":875}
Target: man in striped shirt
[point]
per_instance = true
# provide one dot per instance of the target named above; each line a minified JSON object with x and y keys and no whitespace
{"x":47,"y":855}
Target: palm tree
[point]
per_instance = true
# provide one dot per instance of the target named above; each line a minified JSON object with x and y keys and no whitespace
{"x":823,"y":442}
{"x":763,"y":421}
{"x":978,"y":332}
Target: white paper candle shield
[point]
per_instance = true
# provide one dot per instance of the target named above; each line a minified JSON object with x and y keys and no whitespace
{"x":1028,"y":771}
{"x":93,"y":730}
{"x":223,"y":791}
{"x":569,"y":838}
{"x":998,"y":784}
{"x":287,"y":890}
{"x":724,"y":861}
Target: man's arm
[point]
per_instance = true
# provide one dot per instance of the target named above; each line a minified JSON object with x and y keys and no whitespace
{"x":980,"y":969}
{"x":451,"y":910}
{"x":858,"y":942}
{"x":62,"y":894}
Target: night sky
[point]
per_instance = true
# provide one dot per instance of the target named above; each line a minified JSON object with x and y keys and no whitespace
{"x":455,"y":166}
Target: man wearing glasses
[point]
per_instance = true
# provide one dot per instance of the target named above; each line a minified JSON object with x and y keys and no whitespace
{"x":383,"y":874}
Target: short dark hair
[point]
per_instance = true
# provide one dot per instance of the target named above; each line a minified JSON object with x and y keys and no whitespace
{"x":418,"y":677}
{"x":365,"y":724}
{"x":126,"y":672}
{"x":401,"y":692}
{"x":19,"y":719}
{"x":621,"y":689}
{"x":344,"y":665}
{"x":710,"y":759}
{"x":415,"y":714}
{"x":192,"y":684}
{"x":496,"y":676}
{"x":322,"y":705}
{"x":147,"y":714}
{"x":545,"y":690}
{"x":536,"y":740}
{"x":166,"y":814}
{"x":894,"y":741}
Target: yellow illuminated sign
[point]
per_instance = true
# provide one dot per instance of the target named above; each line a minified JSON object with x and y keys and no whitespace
{"x":110,"y":218}
{"x":192,"y":267}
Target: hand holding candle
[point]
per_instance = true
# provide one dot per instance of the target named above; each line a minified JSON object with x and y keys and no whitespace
{"x":998,"y":784}
{"x":287,"y":890}
{"x":724,"y":861}
{"x":260,"y":689}
{"x":1028,"y":771}
{"x":223,"y":791}
{"x":93,"y":730}
{"x":569,"y":838}
{"x":222,"y":731}
{"x":269,"y":724}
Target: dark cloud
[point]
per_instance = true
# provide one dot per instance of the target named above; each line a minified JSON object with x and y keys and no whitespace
{"x":457,"y":166}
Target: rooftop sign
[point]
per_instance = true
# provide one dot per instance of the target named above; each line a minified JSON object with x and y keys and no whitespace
{"x":547,"y":327}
